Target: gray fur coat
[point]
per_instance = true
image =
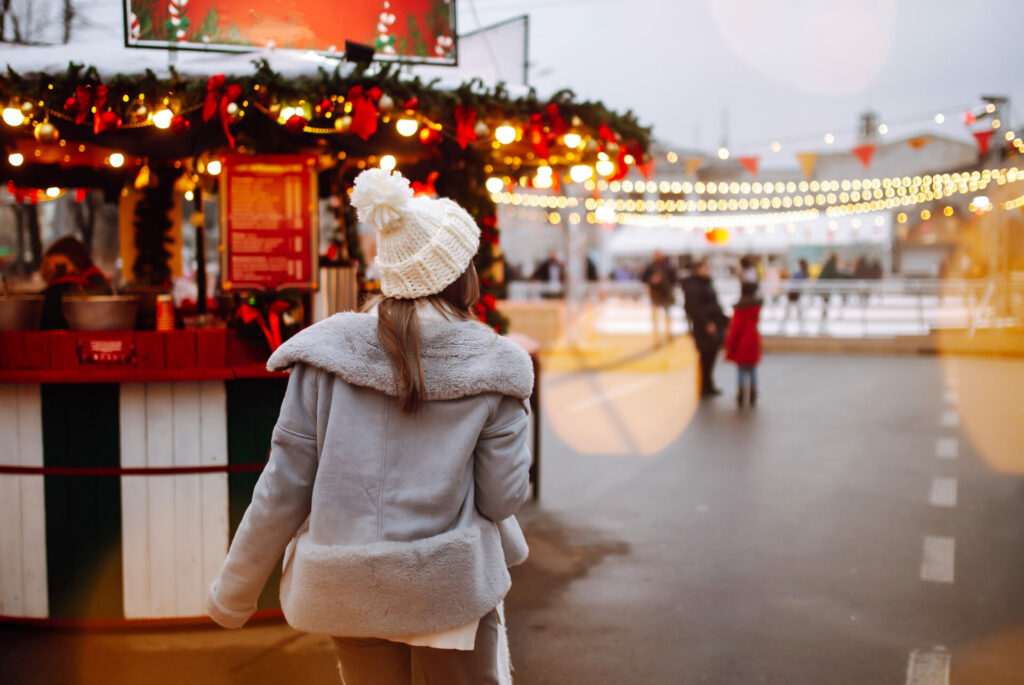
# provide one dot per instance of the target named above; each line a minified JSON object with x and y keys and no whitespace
{"x":391,"y":524}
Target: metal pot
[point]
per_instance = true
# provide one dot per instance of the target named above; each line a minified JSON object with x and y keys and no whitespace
{"x":101,"y":312}
{"x":20,"y":312}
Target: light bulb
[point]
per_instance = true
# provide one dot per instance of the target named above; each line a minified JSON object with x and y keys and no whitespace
{"x":505,"y":134}
{"x":116,"y":160}
{"x":494,"y":184}
{"x":213,"y":167}
{"x":16,"y":159}
{"x":580,"y":173}
{"x":605,"y":167}
{"x":388,"y":162}
{"x":13,"y":116}
{"x":162,"y":119}
{"x":407,"y":127}
{"x":572,"y":139}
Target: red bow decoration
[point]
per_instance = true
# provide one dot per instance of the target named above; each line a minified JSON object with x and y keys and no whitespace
{"x":537,"y":137}
{"x":411,"y":103}
{"x":465,"y":125}
{"x":426,"y":187}
{"x":85,"y":99}
{"x":557,"y":124}
{"x":218,"y":97}
{"x":364,"y":111}
{"x":621,"y":167}
{"x":272,"y":332}
{"x":606,"y":134}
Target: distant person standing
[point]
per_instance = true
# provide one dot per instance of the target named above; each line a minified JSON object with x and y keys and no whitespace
{"x":829,"y":272}
{"x":660,"y":278}
{"x":551,"y":272}
{"x":796,"y":286}
{"x":748,"y":271}
{"x":708,"y":322}
{"x":743,"y":343}
{"x":772,"y":280}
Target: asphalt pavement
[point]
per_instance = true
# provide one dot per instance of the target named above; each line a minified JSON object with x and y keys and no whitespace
{"x":861,"y":526}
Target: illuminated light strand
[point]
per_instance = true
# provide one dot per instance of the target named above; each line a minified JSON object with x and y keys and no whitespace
{"x":815,"y":186}
{"x":833,"y":204}
{"x":1015,"y":203}
{"x":690,"y":223}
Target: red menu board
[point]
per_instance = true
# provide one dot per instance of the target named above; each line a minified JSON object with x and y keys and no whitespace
{"x":268,"y":236}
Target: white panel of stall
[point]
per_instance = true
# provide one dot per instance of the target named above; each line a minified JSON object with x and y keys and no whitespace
{"x":23,"y":579}
{"x":175,"y":527}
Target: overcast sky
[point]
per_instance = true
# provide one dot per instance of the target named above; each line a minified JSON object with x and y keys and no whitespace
{"x":787,"y":70}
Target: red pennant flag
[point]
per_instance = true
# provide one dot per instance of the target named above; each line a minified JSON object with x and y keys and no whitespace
{"x":984,"y":138}
{"x":969,"y":118}
{"x":750,"y":164}
{"x":864,"y":153}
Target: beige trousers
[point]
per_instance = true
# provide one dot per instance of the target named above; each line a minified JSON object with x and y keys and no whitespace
{"x":373,"y":661}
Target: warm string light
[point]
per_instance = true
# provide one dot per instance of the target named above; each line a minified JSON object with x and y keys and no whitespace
{"x":901,"y":192}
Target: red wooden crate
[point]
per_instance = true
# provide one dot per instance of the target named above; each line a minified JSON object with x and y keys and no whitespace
{"x":150,"y":349}
{"x":211,"y":347}
{"x":36,"y":351}
{"x":11,"y":346}
{"x":181,"y":349}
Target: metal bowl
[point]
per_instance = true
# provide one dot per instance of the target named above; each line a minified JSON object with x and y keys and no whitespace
{"x":20,"y":312}
{"x":101,"y":312}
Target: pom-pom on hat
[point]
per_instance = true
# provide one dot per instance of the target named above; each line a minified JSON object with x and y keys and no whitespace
{"x":423,"y":244}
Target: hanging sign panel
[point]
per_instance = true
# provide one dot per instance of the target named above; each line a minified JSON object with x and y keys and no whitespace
{"x":398,"y":30}
{"x":268,"y":236}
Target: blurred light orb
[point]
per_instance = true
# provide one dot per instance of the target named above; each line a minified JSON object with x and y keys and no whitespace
{"x":723,"y":153}
{"x":581,"y":172}
{"x":388,"y":162}
{"x":213,"y":167}
{"x":494,"y":184}
{"x":116,"y":160}
{"x":572,"y":139}
{"x":939,"y":118}
{"x":162,"y":119}
{"x":13,"y":116}
{"x":605,"y":167}
{"x":407,"y":127}
{"x":505,"y":134}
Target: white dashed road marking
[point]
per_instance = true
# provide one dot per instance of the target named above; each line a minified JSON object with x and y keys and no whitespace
{"x":943,"y":492}
{"x":937,"y":561}
{"x":928,"y":667}
{"x":950,"y":419}
{"x":947,"y":448}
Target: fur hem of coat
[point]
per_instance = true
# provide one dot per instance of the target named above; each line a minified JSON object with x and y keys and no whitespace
{"x":459,"y":359}
{"x":391,"y":589}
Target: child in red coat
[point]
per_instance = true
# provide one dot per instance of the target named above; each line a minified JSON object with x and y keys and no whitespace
{"x":743,"y":343}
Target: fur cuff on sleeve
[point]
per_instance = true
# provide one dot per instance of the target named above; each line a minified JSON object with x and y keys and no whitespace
{"x":227,"y":618}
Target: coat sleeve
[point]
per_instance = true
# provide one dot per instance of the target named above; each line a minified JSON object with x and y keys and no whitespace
{"x":501,"y":467}
{"x":734,"y":333}
{"x":280,"y":504}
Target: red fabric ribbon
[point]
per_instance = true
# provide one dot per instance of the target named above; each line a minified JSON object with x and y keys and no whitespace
{"x":85,"y":99}
{"x":272,"y":330}
{"x":557,"y":124}
{"x":538,"y":138}
{"x":218,"y":96}
{"x":426,"y":187}
{"x":364,"y":110}
{"x":605,"y":133}
{"x":465,"y":125}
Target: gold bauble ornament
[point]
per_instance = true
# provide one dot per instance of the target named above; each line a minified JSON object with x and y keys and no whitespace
{"x":274,"y":109}
{"x":138,"y":113}
{"x":46,"y":133}
{"x":385,"y":104}
{"x":234,"y":111}
{"x":342,"y":124}
{"x":482,"y":130}
{"x":576,"y":121}
{"x":27,"y":108}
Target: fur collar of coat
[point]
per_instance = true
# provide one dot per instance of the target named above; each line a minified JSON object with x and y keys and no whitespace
{"x":459,"y":358}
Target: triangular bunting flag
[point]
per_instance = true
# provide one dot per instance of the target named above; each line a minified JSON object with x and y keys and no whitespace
{"x":983,"y":138}
{"x":750,"y":164}
{"x":864,"y":153}
{"x":807,"y":161}
{"x":646,"y":169}
{"x":969,"y":118}
{"x":919,"y":142}
{"x":692,"y":164}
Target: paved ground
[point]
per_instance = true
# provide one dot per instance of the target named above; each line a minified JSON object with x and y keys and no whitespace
{"x":862,"y":525}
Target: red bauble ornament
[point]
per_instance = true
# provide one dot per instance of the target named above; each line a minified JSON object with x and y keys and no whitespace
{"x":106,"y":121}
{"x":325,"y":106}
{"x":295,"y":124}
{"x":70,"y":104}
{"x":180,"y":124}
{"x":429,"y":136}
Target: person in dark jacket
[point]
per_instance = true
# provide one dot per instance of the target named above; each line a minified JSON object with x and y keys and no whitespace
{"x":743,"y":343}
{"x":67,"y":269}
{"x":829,"y":272}
{"x":660,"y":278}
{"x":707,"y":321}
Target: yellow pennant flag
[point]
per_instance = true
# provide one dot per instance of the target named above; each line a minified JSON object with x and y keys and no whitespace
{"x":692,"y":164}
{"x":807,"y":161}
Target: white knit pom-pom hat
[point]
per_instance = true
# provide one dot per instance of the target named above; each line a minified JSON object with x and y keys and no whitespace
{"x":423,"y":244}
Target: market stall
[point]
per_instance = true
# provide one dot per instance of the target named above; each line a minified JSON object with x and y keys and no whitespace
{"x":128,"y":453}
